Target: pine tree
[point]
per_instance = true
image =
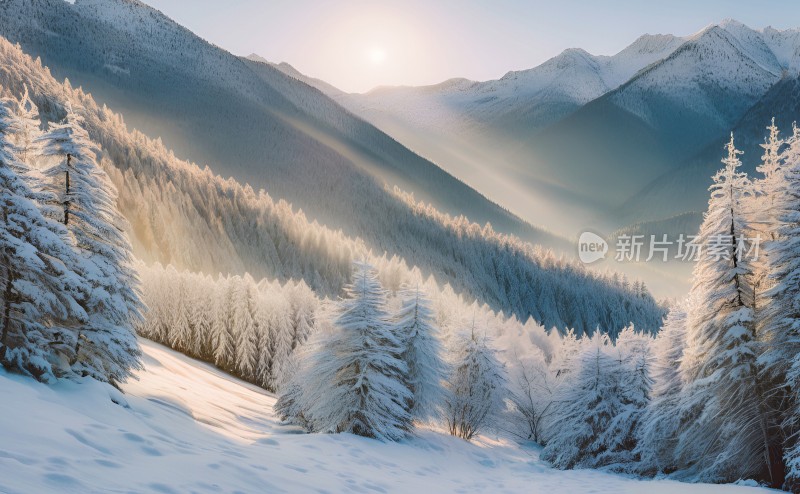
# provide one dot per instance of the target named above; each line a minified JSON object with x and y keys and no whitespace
{"x":39,"y":291}
{"x":658,"y":429}
{"x":244,"y":329}
{"x":281,"y":332}
{"x":587,"y":409}
{"x":27,"y":129}
{"x":222,"y":338}
{"x":422,"y":354}
{"x":181,"y":334}
{"x":476,"y":389}
{"x":356,"y":378}
{"x":725,"y":431}
{"x":779,"y":328}
{"x":632,"y":351}
{"x":261,"y":319}
{"x":106,"y":348}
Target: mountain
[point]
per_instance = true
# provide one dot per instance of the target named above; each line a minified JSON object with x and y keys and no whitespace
{"x":474,"y":129}
{"x":180,"y":214}
{"x":585,"y":140}
{"x":247,"y":119}
{"x":292,"y":72}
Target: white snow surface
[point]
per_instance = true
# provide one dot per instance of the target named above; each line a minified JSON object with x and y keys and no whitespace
{"x":187,"y":427}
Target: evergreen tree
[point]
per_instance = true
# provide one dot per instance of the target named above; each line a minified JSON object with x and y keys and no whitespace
{"x":181,"y":334}
{"x":780,"y":325}
{"x":244,"y":330}
{"x":39,"y":291}
{"x":587,"y":409}
{"x":658,"y":429}
{"x":222,"y":338}
{"x":724,"y":433}
{"x":356,"y":378}
{"x":422,"y":354}
{"x":106,"y":348}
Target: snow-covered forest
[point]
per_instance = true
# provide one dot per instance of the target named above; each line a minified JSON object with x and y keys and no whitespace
{"x":411,"y":326}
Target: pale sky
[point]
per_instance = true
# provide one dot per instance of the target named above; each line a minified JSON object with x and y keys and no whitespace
{"x":358,"y":44}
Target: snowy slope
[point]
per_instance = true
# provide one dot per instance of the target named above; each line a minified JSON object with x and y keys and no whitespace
{"x":185,"y":427}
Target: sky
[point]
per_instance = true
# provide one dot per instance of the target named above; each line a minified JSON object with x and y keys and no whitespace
{"x":357,"y":45}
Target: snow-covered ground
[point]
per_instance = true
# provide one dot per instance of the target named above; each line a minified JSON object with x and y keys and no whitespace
{"x":186,"y":427}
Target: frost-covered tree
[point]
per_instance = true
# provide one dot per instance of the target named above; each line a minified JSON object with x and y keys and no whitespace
{"x":587,"y":408}
{"x":27,"y":129}
{"x":632,"y":352}
{"x":356,"y":377}
{"x":422,"y":353}
{"x":282,"y":332}
{"x":244,"y":329}
{"x":106,"y":348}
{"x":724,"y":432}
{"x":779,"y":327}
{"x":477,"y":386}
{"x":38,"y":289}
{"x":261,"y":319}
{"x":181,"y":333}
{"x":657,"y":431}
{"x":532,"y":391}
{"x":222,"y":337}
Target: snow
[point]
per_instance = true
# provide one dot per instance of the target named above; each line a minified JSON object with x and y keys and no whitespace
{"x":186,"y":427}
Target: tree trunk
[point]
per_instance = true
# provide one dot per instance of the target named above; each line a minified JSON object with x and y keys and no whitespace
{"x":66,"y":196}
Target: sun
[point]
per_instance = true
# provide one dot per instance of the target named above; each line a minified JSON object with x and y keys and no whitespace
{"x":376,"y":55}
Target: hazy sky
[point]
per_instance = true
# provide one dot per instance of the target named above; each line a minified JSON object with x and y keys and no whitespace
{"x":357,"y":45}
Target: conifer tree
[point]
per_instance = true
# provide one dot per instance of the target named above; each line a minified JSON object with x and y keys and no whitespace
{"x":422,"y":354}
{"x":38,"y":289}
{"x":356,"y":377}
{"x":106,"y":348}
{"x":724,"y":432}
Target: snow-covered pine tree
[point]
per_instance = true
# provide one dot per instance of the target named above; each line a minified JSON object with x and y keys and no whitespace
{"x":106,"y":348}
{"x":302,"y":302}
{"x":181,"y":334}
{"x":261,"y":319}
{"x":38,"y":289}
{"x":355,"y":379}
{"x":222,"y":337}
{"x":724,"y":430}
{"x":244,"y":329}
{"x":27,"y":129}
{"x":779,"y":327}
{"x":422,"y":354}
{"x":632,"y":351}
{"x":587,"y":408}
{"x":201,"y":293}
{"x":477,"y":388}
{"x":281,"y":333}
{"x":657,"y":431}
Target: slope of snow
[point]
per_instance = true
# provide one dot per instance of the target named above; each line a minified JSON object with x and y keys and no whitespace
{"x":185,"y":427}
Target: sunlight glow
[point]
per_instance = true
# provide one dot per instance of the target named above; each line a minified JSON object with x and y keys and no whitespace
{"x":377,"y":55}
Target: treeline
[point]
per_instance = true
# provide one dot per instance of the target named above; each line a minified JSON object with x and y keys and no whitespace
{"x":183,"y":215}
{"x":69,"y":295}
{"x":246,"y":328}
